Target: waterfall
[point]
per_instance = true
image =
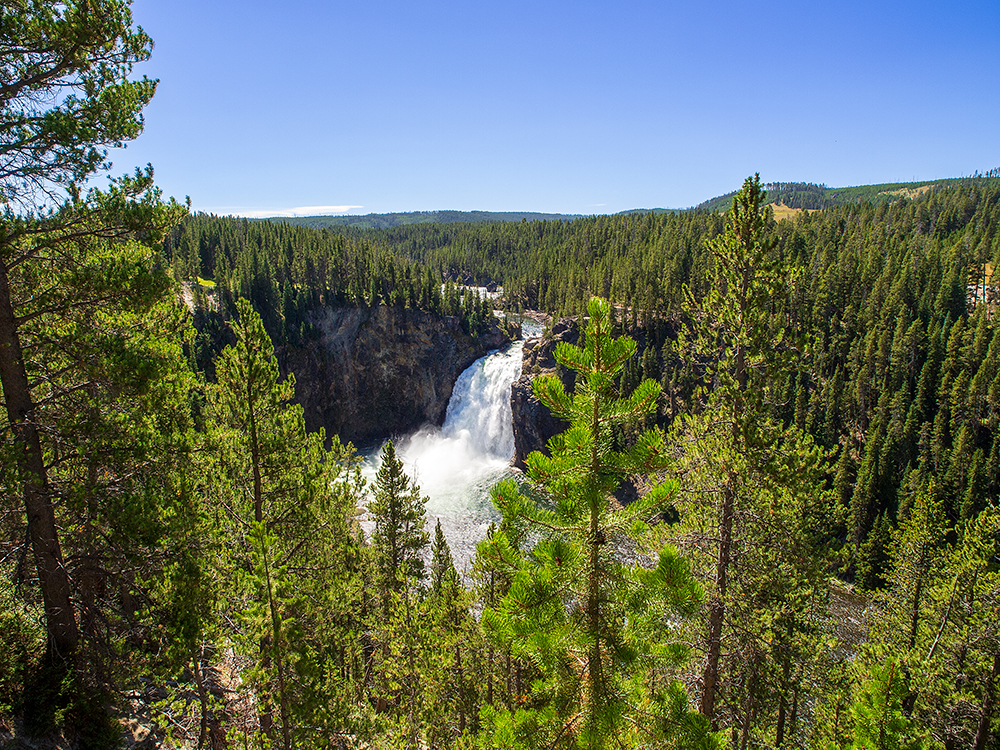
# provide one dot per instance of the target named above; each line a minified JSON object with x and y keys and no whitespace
{"x":479,"y":410}
{"x":456,"y":464}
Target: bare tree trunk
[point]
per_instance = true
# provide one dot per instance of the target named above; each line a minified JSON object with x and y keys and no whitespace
{"x":795,"y":707}
{"x":60,"y":621}
{"x":199,"y":681}
{"x":748,"y":715}
{"x":779,"y":734}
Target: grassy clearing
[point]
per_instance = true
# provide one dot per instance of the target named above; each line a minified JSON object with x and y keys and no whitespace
{"x":909,"y":192}
{"x":207,"y":283}
{"x":781,"y":211}
{"x":784,"y":212}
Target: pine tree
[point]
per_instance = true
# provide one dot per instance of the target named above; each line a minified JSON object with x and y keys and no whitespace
{"x":582,"y":618}
{"x":399,"y":537}
{"x":66,"y":97}
{"x":879,"y":721}
{"x":444,"y":577}
{"x":938,"y":626}
{"x":398,"y":543}
{"x":751,"y":484}
{"x":268,"y":477}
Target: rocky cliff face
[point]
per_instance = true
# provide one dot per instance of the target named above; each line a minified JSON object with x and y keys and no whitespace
{"x":381,"y":371}
{"x":533,"y":422}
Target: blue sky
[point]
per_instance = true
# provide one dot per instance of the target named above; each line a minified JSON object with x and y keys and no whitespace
{"x":583,"y":107}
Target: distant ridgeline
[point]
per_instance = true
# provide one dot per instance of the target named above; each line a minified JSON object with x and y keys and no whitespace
{"x":385,"y":221}
{"x":810,"y":196}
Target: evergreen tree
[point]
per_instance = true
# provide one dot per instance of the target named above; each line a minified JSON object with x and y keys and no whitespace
{"x":751,"y":484}
{"x":66,"y":97}
{"x":585,"y":620}
{"x":398,"y":543}
{"x":399,"y":537}
{"x":877,"y":714}
{"x":444,"y":577}
{"x":270,"y":483}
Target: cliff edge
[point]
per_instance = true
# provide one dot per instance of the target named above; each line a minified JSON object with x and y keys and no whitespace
{"x":381,"y":371}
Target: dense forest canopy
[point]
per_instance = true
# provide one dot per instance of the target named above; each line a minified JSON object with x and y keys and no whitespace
{"x":809,"y":406}
{"x":893,"y":299}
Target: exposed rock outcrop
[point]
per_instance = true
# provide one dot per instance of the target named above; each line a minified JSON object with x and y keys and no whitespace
{"x":533,"y":422}
{"x":381,"y":371}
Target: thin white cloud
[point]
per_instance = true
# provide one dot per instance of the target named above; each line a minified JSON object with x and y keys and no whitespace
{"x":261,"y":213}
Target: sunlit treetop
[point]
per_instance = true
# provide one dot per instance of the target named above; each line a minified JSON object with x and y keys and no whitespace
{"x":65,"y":94}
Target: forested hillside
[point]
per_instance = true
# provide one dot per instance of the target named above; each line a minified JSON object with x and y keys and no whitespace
{"x":384,"y":221}
{"x":808,"y":407}
{"x":808,"y":195}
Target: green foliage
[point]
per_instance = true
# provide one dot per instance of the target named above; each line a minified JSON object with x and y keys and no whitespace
{"x":752,"y":498}
{"x":584,"y":621}
{"x":21,"y":645}
{"x":95,"y":387}
{"x":281,"y":503}
{"x":400,"y":537}
{"x":937,"y":627}
{"x":87,"y":50}
{"x":877,"y":712}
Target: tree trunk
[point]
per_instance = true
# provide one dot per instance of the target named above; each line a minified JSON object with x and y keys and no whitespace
{"x":460,"y":674}
{"x":489,"y":650}
{"x":989,"y":701}
{"x":595,"y":668}
{"x":199,"y":681}
{"x":748,"y":715}
{"x":779,"y":734}
{"x":60,"y":621}
{"x":717,"y":608}
{"x":278,"y":652}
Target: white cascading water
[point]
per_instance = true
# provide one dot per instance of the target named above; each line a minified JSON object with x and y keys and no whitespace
{"x":456,"y":464}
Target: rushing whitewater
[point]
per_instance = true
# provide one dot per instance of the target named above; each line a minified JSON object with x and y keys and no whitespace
{"x":456,"y":464}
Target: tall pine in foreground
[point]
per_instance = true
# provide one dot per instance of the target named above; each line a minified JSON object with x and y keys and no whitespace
{"x":399,"y":541}
{"x":752,"y":498}
{"x":69,"y":263}
{"x":276,"y":495}
{"x":93,"y":388}
{"x":593,"y":626}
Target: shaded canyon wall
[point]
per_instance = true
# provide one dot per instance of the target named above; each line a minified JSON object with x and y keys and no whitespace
{"x":382,"y":371}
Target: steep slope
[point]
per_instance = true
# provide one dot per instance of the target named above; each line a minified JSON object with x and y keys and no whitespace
{"x":382,"y":371}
